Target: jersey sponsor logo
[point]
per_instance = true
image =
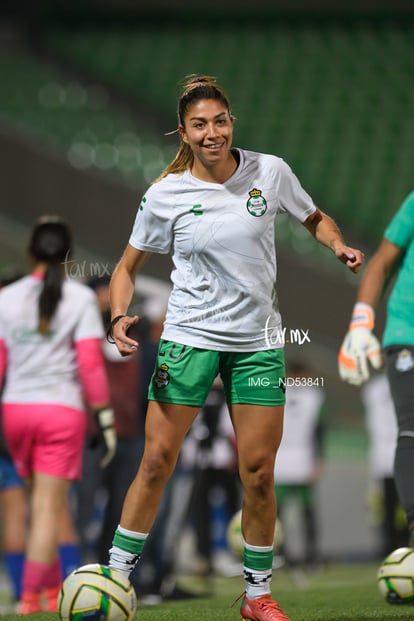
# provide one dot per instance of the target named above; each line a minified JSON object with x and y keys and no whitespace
{"x":162,"y":377}
{"x":256,"y":204}
{"x":27,"y":335}
{"x":196,"y":210}
{"x":404,"y":361}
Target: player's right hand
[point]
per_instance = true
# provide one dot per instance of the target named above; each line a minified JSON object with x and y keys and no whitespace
{"x":359,"y":348}
{"x":119,"y":334}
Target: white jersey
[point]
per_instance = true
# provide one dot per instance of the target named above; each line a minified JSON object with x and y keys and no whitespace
{"x":222,"y":240}
{"x":43,"y":368}
{"x":381,"y":423}
{"x":297,"y":456}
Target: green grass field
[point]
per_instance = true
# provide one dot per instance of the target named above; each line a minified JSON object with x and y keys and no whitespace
{"x":334,"y":593}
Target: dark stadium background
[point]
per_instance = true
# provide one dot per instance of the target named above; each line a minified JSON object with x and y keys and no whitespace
{"x":328,"y":86}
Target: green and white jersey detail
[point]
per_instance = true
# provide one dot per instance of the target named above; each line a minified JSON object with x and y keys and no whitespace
{"x":222,"y":241}
{"x":399,"y":329}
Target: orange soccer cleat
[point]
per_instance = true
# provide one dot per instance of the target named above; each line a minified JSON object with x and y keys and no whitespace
{"x":29,"y":604}
{"x":51,"y":599}
{"x":262,"y":609}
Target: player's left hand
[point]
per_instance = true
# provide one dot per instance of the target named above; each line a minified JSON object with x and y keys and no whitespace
{"x":106,"y":422}
{"x":351,"y":257}
{"x":360,"y":347}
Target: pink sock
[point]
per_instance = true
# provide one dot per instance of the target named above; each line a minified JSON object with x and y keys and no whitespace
{"x":54,"y":576}
{"x":34,"y":576}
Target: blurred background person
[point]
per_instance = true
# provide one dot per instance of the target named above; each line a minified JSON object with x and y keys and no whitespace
{"x":156,"y":577}
{"x":50,"y":351}
{"x":99,"y":495}
{"x":13,"y":504}
{"x":381,"y":424}
{"x":210,"y":447}
{"x":299,"y":462}
{"x":14,"y":511}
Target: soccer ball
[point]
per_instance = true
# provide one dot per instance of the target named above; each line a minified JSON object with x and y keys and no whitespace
{"x":396,"y":577}
{"x":235,"y":538}
{"x":97,"y":593}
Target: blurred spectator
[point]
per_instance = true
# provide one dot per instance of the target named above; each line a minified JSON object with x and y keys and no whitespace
{"x":210,"y":447}
{"x":155,"y":577}
{"x":14,"y":511}
{"x":13,"y":503}
{"x":110,"y":484}
{"x":381,"y":424}
{"x":100,"y":493}
{"x":299,"y":461}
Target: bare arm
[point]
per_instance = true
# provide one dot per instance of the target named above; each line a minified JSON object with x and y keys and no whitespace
{"x":377,"y":273}
{"x":122,"y":289}
{"x":326,"y":232}
{"x":360,"y":345}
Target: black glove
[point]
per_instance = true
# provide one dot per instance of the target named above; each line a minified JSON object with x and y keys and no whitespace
{"x":106,"y":419}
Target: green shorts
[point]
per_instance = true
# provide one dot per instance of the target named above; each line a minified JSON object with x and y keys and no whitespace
{"x":184,"y":375}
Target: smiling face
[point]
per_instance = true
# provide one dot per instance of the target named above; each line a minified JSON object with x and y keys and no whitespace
{"x":208,"y":130}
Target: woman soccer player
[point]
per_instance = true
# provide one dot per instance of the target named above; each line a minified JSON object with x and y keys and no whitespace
{"x":50,"y":353}
{"x":214,"y":209}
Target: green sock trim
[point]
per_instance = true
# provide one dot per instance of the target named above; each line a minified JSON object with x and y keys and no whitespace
{"x":129,"y":544}
{"x":258,"y":561}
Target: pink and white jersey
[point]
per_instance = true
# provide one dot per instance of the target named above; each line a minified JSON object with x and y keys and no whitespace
{"x":44,"y":368}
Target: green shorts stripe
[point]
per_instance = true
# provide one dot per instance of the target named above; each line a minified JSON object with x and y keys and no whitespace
{"x":184,"y":375}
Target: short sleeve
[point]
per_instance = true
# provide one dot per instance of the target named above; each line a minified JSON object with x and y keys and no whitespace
{"x":400,"y":230}
{"x":152,"y":230}
{"x":293,"y":198}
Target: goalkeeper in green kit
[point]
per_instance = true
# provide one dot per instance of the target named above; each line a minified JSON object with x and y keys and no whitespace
{"x":394,"y":257}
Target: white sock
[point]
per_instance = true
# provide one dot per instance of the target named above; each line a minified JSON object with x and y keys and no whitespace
{"x":257,"y":582}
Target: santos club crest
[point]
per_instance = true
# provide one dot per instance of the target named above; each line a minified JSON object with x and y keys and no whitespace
{"x":256,"y":205}
{"x":162,"y":377}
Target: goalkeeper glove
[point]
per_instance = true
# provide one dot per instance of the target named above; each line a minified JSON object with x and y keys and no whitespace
{"x":359,"y":346}
{"x":105,"y":419}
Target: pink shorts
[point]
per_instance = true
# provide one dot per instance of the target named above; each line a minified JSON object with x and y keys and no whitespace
{"x":45,"y":438}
